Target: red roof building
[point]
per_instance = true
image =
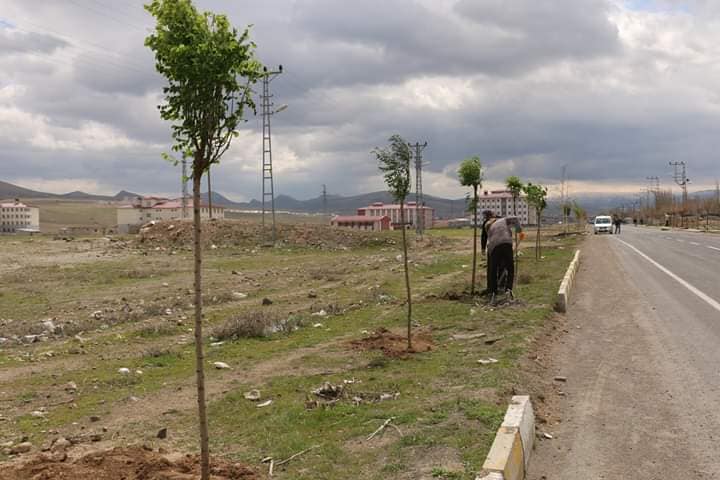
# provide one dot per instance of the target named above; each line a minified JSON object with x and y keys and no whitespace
{"x":412,"y":212}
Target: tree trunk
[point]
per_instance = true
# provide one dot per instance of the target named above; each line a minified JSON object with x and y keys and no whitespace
{"x":199,"y":355}
{"x":474,"y":265}
{"x":537,"y":238}
{"x":407,"y":278}
{"x":517,"y":240}
{"x":209,"y":195}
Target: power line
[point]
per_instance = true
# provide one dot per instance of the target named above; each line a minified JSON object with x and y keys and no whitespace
{"x":419,"y":200}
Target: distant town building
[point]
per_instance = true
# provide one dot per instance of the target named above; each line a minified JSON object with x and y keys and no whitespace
{"x":148,"y":209}
{"x":500,"y":202}
{"x":361,"y":222}
{"x":412,"y":212}
{"x":17,"y":217}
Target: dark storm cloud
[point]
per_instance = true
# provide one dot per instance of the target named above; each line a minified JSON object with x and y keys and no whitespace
{"x":530,"y":85}
{"x":13,"y":42}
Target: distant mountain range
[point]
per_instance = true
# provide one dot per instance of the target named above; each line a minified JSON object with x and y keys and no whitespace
{"x":10,"y":191}
{"x":444,"y":208}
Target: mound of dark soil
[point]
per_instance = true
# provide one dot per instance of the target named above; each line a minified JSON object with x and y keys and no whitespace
{"x":393,"y":345}
{"x":124,"y":464}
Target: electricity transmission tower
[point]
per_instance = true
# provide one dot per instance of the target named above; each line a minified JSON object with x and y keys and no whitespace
{"x":680,"y":177}
{"x":654,"y":188}
{"x":419,"y":200}
{"x":564,"y":197}
{"x":324,"y":200}
{"x":268,"y":190}
{"x":184,"y":200}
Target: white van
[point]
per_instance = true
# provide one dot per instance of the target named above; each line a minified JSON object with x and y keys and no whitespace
{"x":603,"y":224}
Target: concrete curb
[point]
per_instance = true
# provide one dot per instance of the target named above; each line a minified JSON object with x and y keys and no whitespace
{"x":563,"y":297}
{"x":510,"y":453}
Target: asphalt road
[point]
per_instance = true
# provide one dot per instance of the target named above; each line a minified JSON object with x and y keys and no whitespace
{"x":642,"y":358}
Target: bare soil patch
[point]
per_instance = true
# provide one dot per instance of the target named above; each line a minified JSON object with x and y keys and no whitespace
{"x":133,"y":463}
{"x":393,"y":345}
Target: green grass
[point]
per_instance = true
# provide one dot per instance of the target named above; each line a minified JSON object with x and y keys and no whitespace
{"x":448,"y":403}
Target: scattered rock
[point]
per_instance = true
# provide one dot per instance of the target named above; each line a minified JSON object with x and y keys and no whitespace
{"x":560,"y":379}
{"x":221,"y":365}
{"x":487,"y":361}
{"x":97,"y":315}
{"x":266,"y":301}
{"x":162,"y":434}
{"x":252,"y":395}
{"x":240,"y":295}
{"x":94,"y":418}
{"x":265,"y":403}
{"x":38,"y":414}
{"x":328,"y":391}
{"x":321,"y":313}
{"x":124,"y":371}
{"x":318,"y":325}
{"x":312,"y":294}
{"x":61,"y":444}
{"x":491,"y":341}
{"x":23,"y":447}
{"x":71,"y":387}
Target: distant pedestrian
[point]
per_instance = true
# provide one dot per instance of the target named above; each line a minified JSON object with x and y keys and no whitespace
{"x":497,"y":238}
{"x":635,"y":221}
{"x":618,"y":224}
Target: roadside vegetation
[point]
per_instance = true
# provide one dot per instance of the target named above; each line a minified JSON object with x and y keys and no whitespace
{"x":327,"y":350}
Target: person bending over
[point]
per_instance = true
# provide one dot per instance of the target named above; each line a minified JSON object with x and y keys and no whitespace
{"x":497,"y":240}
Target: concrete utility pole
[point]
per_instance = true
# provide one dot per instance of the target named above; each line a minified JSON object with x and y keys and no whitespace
{"x":654,"y":188}
{"x":419,"y":201}
{"x":324,"y":200}
{"x":564,"y":197}
{"x":184,"y":200}
{"x":268,"y":189}
{"x":209,"y":194}
{"x":680,"y":177}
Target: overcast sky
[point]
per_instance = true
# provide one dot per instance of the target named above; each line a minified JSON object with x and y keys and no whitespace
{"x":613,"y":89}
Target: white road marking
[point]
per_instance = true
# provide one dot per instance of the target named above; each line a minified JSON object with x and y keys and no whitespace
{"x":714,"y":248}
{"x":680,"y":240}
{"x":695,"y":243}
{"x":703,"y":296}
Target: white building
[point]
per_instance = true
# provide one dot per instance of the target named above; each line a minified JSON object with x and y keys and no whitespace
{"x":16,"y":217}
{"x":379,"y":209}
{"x":500,"y":202}
{"x":147,"y":209}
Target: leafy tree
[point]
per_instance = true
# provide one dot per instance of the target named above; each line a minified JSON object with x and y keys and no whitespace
{"x":203,"y":58}
{"x":515,"y":186}
{"x":580,"y":214}
{"x":536,"y":198}
{"x":471,"y":175}
{"x":394,"y":162}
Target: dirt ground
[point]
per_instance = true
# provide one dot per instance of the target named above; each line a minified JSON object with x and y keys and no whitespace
{"x":394,"y":345}
{"x":121,"y":304}
{"x":123,"y":464}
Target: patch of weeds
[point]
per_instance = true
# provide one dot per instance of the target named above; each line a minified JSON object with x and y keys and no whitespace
{"x":438,"y":472}
{"x":524,"y":279}
{"x":378,"y":362}
{"x":488,"y":414}
{"x":157,"y":330}
{"x":256,"y":324}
